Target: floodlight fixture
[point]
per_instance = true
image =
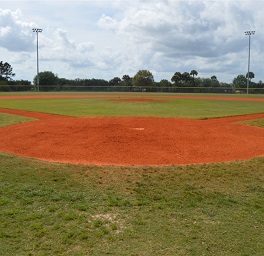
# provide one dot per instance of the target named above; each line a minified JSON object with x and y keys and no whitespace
{"x":249,"y":34}
{"x":37,"y":30}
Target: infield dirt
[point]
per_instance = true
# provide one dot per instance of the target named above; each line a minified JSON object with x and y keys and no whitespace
{"x":132,"y":140}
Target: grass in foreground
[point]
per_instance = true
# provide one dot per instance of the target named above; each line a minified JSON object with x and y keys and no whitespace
{"x":59,"y":209}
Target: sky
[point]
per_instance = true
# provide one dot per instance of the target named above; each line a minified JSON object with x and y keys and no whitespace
{"x":104,"y":39}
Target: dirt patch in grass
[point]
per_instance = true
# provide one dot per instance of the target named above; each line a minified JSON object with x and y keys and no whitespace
{"x":137,"y":100}
{"x":132,"y":140}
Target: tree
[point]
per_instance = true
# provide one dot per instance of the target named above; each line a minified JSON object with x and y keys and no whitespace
{"x":186,"y":77}
{"x":177,"y":78}
{"x":215,"y":82}
{"x":143,"y":78}
{"x":240,"y":81}
{"x":193,"y":73}
{"x":164,"y":83}
{"x":260,"y":84}
{"x":206,"y":82}
{"x":181,"y":79}
{"x":6,"y":71}
{"x":115,"y":81}
{"x":250,"y":75}
{"x":127,"y":80}
{"x":47,"y":81}
{"x":213,"y":78}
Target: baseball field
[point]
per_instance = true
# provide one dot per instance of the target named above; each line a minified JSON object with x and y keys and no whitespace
{"x":131,"y":174}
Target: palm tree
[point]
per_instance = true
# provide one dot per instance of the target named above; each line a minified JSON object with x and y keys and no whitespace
{"x":186,"y":77}
{"x":193,"y":73}
{"x":177,"y":77}
{"x":213,"y":78}
{"x":250,"y":75}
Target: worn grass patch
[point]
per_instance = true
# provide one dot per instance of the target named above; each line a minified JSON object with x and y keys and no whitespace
{"x":59,"y":209}
{"x":257,"y":122}
{"x":7,"y":119}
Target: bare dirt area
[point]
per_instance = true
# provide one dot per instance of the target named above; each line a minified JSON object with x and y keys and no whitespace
{"x":132,"y":140}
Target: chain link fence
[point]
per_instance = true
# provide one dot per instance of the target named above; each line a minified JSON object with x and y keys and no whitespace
{"x":76,"y":88}
{"x":222,"y":90}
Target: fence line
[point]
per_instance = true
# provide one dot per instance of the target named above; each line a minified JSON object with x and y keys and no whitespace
{"x":227,"y":90}
{"x":172,"y":89}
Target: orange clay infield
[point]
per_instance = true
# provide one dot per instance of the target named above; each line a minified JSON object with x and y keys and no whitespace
{"x":131,"y":141}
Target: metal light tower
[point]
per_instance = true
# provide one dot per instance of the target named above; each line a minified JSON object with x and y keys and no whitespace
{"x":37,"y":30}
{"x":249,"y":34}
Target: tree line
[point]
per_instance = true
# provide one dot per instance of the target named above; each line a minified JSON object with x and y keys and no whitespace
{"x":142,"y":80}
{"x":6,"y":81}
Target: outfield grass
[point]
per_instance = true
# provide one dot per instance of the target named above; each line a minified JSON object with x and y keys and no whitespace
{"x":8,"y":119}
{"x":58,"y":209}
{"x":101,"y":106}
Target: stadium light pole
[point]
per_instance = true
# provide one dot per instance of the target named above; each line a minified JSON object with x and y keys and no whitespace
{"x":37,"y":30}
{"x":249,"y":34}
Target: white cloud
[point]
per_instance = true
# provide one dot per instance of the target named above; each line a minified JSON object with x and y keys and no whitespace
{"x":15,"y":35}
{"x":186,"y":32}
{"x":184,"y":27}
{"x":85,"y":47}
{"x":107,"y":22}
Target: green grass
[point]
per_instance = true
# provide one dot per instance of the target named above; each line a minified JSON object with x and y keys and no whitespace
{"x":100,"y":106}
{"x":7,"y":119}
{"x":59,"y":209}
{"x":257,"y":122}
